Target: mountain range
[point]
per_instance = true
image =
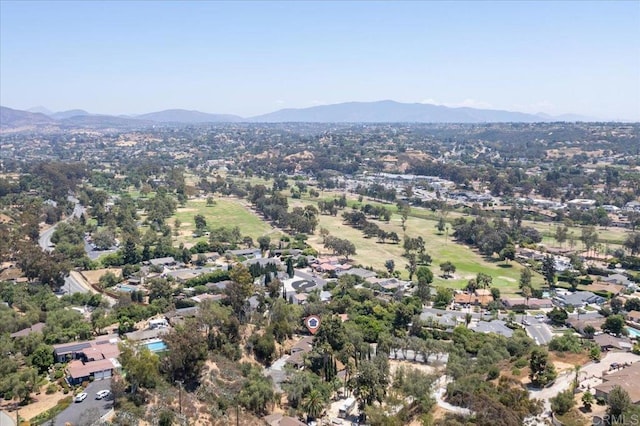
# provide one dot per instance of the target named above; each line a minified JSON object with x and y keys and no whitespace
{"x":363,"y":112}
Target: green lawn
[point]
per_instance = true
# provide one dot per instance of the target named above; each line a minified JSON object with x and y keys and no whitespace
{"x":467,"y":261}
{"x":226,"y":212}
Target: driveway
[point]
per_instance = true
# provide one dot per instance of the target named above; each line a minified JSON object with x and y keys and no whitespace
{"x":562,"y":383}
{"x":90,"y":410}
{"x":596,"y":369}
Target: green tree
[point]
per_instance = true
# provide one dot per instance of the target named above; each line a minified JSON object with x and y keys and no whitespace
{"x":390,"y":265}
{"x":563,"y":402}
{"x":141,"y":366}
{"x":525,"y":278}
{"x":614,"y":324}
{"x":257,"y":393}
{"x":589,"y":331}
{"x":200,"y":222}
{"x":549,"y":270}
{"x":618,"y":401}
{"x":633,"y":243}
{"x":423,"y":287}
{"x":542,"y":371}
{"x":313,"y":404}
{"x":239,"y":291}
{"x":558,"y":316}
{"x":186,"y":353}
{"x":444,"y":297}
{"x":616,"y":305}
{"x":587,"y":400}
{"x":42,"y":358}
{"x":447,"y":268}
{"x":264,"y":242}
{"x":508,"y":253}
{"x":561,"y":234}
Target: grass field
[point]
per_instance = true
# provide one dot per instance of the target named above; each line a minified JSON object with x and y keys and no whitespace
{"x":467,"y":261}
{"x":226,"y":212}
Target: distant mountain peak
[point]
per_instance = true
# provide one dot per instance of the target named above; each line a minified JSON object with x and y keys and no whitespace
{"x":188,"y":116}
{"x":40,"y":109}
{"x":393,"y":111}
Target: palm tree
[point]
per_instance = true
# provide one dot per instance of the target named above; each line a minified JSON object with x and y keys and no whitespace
{"x":313,"y":404}
{"x":467,"y":319}
{"x":472,"y":285}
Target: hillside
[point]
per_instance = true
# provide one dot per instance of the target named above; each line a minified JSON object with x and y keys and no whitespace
{"x":391,"y":111}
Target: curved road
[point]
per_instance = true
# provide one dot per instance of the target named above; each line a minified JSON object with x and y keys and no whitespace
{"x":72,"y":283}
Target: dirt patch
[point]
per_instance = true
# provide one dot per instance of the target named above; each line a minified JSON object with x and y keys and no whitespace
{"x":93,"y":277}
{"x":40,"y":403}
{"x":394,"y":365}
{"x":567,"y":361}
{"x":186,"y":210}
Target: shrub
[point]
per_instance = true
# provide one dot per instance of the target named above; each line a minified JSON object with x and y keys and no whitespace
{"x":516,"y":371}
{"x":493,"y":373}
{"x":52,"y":388}
{"x":521,"y":363}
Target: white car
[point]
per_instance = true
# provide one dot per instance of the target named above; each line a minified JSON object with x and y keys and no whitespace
{"x":103,"y":394}
{"x":80,"y":397}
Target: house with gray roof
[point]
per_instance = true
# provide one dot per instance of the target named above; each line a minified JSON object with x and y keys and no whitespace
{"x":580,"y":299}
{"x":495,"y":326}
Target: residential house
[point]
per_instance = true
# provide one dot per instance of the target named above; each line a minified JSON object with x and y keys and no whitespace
{"x":163,"y":261}
{"x":103,"y":347}
{"x":495,"y":326}
{"x":628,"y":378}
{"x":608,"y":342}
{"x":359,"y":272}
{"x":250,"y":253}
{"x":302,"y":347}
{"x":79,"y":371}
{"x":35,"y":328}
{"x":89,"y":360}
{"x":278,"y":419}
{"x":580,"y":299}
{"x":531,"y":303}
{"x":578,"y":323}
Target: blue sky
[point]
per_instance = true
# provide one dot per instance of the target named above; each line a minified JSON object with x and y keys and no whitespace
{"x":249,"y":58}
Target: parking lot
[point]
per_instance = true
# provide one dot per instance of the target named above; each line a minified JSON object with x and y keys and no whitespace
{"x":90,"y":410}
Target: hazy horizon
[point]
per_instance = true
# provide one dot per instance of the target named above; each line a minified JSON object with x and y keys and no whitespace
{"x":251,"y":58}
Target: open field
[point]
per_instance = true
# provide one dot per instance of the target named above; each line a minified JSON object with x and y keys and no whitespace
{"x":226,"y":212}
{"x":441,"y":248}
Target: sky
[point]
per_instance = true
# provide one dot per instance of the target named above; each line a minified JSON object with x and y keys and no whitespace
{"x":254,"y":57}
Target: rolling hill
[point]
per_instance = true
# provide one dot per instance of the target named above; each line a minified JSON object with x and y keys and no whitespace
{"x":391,"y":111}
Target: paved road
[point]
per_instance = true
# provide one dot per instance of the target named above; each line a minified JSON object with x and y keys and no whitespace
{"x":71,"y":283}
{"x":539,"y":331}
{"x":45,"y":238}
{"x":438,"y":393}
{"x":89,"y":410}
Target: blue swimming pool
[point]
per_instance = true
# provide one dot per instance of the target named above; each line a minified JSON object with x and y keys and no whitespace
{"x":633,"y":333}
{"x":126,"y":288}
{"x":156,"y":346}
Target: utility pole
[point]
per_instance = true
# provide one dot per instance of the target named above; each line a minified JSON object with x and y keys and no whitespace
{"x":180,"y":394}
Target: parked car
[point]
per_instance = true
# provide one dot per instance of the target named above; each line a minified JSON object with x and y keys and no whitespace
{"x":80,"y":397}
{"x":525,"y":322}
{"x":103,"y":394}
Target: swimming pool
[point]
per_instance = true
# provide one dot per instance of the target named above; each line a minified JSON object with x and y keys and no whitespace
{"x":156,"y":346}
{"x":126,"y":288}
{"x":633,"y":333}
